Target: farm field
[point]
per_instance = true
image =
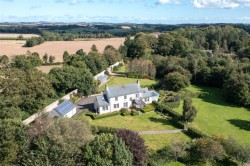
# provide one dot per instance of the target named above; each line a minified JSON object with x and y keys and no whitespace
{"x":14,"y":35}
{"x":148,"y":121}
{"x":216,"y":116}
{"x":124,"y":80}
{"x":56,"y":48}
{"x":46,"y":69}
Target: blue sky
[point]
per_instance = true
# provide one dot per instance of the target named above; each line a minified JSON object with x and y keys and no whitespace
{"x":119,"y":11}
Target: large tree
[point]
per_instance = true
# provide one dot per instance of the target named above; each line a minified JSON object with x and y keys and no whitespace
{"x":189,"y":112}
{"x":107,"y":149}
{"x":237,"y":89}
{"x":26,"y":90}
{"x":69,"y":78}
{"x":136,"y":145}
{"x":176,"y":81}
{"x":207,"y":150}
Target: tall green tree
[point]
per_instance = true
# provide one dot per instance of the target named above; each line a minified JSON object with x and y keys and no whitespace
{"x":26,"y":90}
{"x":189,"y":112}
{"x":45,"y":58}
{"x":237,"y":89}
{"x":107,"y":149}
{"x":65,"y":56}
{"x":70,"y":78}
{"x":175,"y":81}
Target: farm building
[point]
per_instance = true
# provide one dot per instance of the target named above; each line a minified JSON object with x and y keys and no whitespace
{"x":65,"y":109}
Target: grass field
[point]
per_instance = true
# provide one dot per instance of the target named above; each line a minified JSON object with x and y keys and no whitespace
{"x":216,"y":116}
{"x":124,"y":80}
{"x":148,"y":121}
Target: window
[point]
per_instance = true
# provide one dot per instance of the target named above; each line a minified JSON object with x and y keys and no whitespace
{"x":116,"y":105}
{"x":125,"y":105}
{"x":116,"y":98}
{"x":137,"y":95}
{"x":105,"y":108}
{"x":147,"y":99}
{"x":130,"y":98}
{"x":125,"y":97}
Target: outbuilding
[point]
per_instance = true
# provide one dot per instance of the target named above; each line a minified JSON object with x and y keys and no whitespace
{"x":65,"y":109}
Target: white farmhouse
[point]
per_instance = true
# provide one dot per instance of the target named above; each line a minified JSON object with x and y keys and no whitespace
{"x":116,"y":97}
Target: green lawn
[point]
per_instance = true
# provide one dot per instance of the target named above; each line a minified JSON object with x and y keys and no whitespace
{"x":124,"y":80}
{"x":158,"y":141}
{"x":121,"y":69}
{"x":216,"y":116}
{"x":148,"y":121}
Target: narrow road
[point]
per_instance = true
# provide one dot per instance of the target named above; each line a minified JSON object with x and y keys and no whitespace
{"x":161,"y":131}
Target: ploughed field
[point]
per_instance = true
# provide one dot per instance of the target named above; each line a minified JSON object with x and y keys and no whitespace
{"x":56,"y":48}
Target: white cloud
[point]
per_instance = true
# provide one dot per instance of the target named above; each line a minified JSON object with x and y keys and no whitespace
{"x":220,"y":3}
{"x":175,"y":2}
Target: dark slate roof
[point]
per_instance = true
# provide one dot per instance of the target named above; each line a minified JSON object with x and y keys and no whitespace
{"x":102,"y":100}
{"x":65,"y":107}
{"x":102,"y":78}
{"x":122,"y":90}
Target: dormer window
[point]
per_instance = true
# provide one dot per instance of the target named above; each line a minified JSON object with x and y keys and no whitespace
{"x":116,"y":98}
{"x":125,"y":97}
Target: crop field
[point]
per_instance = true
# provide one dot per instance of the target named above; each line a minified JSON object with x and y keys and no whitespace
{"x":14,"y":35}
{"x":56,"y":48}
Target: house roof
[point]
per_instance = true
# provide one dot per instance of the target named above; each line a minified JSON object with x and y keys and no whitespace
{"x":123,"y":90}
{"x":65,"y":107}
{"x":102,"y":100}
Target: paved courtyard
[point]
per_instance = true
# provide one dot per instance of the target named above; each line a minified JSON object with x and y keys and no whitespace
{"x":87,"y":102}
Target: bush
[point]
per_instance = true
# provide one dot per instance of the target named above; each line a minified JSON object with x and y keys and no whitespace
{"x":126,"y":113}
{"x":134,"y":113}
{"x":123,"y":110}
{"x":103,"y":129}
{"x":97,"y":116}
{"x":148,"y":108}
{"x":194,"y":132}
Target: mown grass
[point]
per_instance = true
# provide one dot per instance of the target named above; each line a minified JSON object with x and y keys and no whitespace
{"x":148,"y":121}
{"x":144,"y":122}
{"x":159,"y":141}
{"x":124,"y":80}
{"x":217,"y":116}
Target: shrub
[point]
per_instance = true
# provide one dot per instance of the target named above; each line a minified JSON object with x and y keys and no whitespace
{"x":148,"y":108}
{"x":106,"y":115}
{"x":134,"y":113}
{"x":136,"y":145}
{"x":194,"y":132}
{"x":103,"y":129}
{"x":126,"y":113}
{"x":123,"y":110}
